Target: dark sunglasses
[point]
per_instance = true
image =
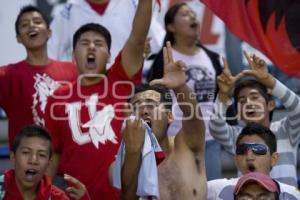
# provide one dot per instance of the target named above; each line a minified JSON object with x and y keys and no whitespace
{"x":258,"y":149}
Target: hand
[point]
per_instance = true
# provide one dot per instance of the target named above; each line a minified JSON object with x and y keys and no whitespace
{"x":76,"y":189}
{"x":174,"y":72}
{"x":134,"y":135}
{"x":226,"y":81}
{"x":259,"y":69}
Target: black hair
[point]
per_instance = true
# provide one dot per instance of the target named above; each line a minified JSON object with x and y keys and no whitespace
{"x":165,"y":95}
{"x":95,"y":28}
{"x":32,"y":131}
{"x":26,"y":9}
{"x":261,"y":131}
{"x":252,"y":83}
{"x":169,"y":19}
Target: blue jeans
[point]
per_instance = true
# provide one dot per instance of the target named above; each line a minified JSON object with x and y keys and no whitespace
{"x":213,"y":163}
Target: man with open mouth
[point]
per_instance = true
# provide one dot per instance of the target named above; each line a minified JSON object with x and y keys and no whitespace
{"x":31,"y":155}
{"x":256,"y":151}
{"x":85,"y":124}
{"x":181,"y":174}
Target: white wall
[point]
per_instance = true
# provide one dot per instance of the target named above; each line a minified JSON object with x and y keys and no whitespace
{"x":11,"y":51}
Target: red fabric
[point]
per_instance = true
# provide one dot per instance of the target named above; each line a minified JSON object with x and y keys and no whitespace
{"x":17,"y":89}
{"x":269,"y":26}
{"x":99,"y":8}
{"x":45,"y":189}
{"x":84,"y":160}
{"x":159,"y":157}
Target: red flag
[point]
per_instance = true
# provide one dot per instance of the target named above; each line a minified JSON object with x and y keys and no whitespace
{"x":271,"y":26}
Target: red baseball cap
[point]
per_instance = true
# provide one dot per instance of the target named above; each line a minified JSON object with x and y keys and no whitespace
{"x":256,"y":177}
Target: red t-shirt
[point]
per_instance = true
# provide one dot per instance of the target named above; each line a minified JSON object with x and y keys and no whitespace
{"x":86,"y":131}
{"x":46,"y":190}
{"x":24,"y":90}
{"x":99,"y":8}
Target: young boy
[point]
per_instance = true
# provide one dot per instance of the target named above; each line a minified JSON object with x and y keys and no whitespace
{"x":26,"y":85}
{"x":31,"y":155}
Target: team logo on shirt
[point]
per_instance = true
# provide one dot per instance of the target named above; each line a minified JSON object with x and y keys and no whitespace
{"x":202,"y":81}
{"x":100,"y":130}
{"x":44,"y":87}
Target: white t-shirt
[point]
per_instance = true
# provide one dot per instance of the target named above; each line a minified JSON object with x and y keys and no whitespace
{"x":222,"y":189}
{"x":201,"y":78}
{"x":117,"y":18}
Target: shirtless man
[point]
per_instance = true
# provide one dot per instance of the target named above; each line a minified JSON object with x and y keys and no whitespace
{"x":181,"y":175}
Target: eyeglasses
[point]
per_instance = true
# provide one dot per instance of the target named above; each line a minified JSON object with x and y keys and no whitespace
{"x":250,"y":197}
{"x":258,"y":149}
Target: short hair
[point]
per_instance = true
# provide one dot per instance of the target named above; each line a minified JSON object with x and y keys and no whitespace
{"x":26,"y":9}
{"x":95,"y":28}
{"x":32,"y":131}
{"x":261,"y":131}
{"x":165,"y":95}
{"x":252,"y":83}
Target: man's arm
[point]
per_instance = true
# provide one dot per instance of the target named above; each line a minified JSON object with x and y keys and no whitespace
{"x":292,"y":104}
{"x":133,"y":135}
{"x":192,"y":117}
{"x":222,"y":132}
{"x":175,"y":78}
{"x":132,"y":54}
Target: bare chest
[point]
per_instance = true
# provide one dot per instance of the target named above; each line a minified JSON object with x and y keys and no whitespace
{"x":181,"y":181}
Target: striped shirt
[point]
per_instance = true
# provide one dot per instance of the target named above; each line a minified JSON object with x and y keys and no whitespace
{"x":286,"y":130}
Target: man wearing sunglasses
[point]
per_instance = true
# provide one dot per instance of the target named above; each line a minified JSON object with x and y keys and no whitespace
{"x":256,"y":151}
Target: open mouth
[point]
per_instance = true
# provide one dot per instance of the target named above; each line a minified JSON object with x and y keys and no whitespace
{"x":91,"y":60}
{"x":194,"y":25}
{"x":30,"y":174}
{"x":251,"y":168}
{"x":250,"y":113}
{"x":33,"y":34}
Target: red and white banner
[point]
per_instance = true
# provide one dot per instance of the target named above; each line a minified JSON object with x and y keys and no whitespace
{"x":271,"y":26}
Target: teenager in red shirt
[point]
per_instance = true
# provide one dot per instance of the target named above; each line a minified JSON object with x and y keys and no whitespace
{"x":85,"y":119}
{"x":26,"y":85}
{"x":31,"y":154}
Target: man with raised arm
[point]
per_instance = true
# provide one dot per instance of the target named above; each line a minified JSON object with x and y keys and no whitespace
{"x":181,"y":175}
{"x":85,"y":119}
